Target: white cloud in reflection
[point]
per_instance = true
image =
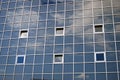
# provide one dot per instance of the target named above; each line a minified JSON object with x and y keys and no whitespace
{"x":18,"y":18}
{"x":82,"y":76}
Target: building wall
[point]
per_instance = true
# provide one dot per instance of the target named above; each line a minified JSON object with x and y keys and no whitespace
{"x":59,"y":40}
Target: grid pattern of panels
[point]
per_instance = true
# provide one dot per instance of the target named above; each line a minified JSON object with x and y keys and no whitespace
{"x":59,"y":39}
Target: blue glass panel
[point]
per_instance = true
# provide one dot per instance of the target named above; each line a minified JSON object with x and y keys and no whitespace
{"x":100,"y":76}
{"x":89,"y":57}
{"x":41,"y":24}
{"x":17,"y":77}
{"x":68,"y":39}
{"x":89,"y":67}
{"x":89,"y":76}
{"x":10,"y":69}
{"x":98,"y":20}
{"x":38,"y":69}
{"x":108,"y":27}
{"x":69,"y":6}
{"x":107,"y":11}
{"x":112,"y":76}
{"x":27,"y":3}
{"x":100,"y":57}
{"x":47,"y":76}
{"x":39,"y":49}
{"x":117,"y":18}
{"x":88,"y":29}
{"x":59,"y":22}
{"x":12,"y":50}
{"x":111,"y":67}
{"x":2,"y":19}
{"x":4,"y":5}
{"x":5,"y":43}
{"x":78,"y":57}
{"x":8,"y":77}
{"x":78,"y":39}
{"x":69,"y":22}
{"x":78,"y":47}
{"x":57,"y":68}
{"x":31,"y":42}
{"x":42,"y":16}
{"x":49,"y":49}
{"x":58,"y":49}
{"x":58,"y":40}
{"x":29,"y":59}
{"x":108,"y":19}
{"x":19,"y":4}
{"x":4,"y":51}
{"x":43,"y":8}
{"x":89,"y":47}
{"x":118,"y":45}
{"x":1,"y":77}
{"x":11,"y":60}
{"x":78,"y":67}
{"x":119,"y":66}
{"x":111,"y":56}
{"x":2,"y":69}
{"x":51,"y":8}
{"x":57,"y":76}
{"x":99,"y":69}
{"x":38,"y":59}
{"x":50,"y":23}
{"x":11,"y":5}
{"x":2,"y":13}
{"x":110,"y":46}
{"x":28,"y":69}
{"x":60,"y":7}
{"x":1,"y":27}
{"x":109,"y":37}
{"x":68,"y":68}
{"x":48,"y":59}
{"x":99,"y":38}
{"x":19,"y":69}
{"x":27,"y":76}
{"x":68,"y":77}
{"x":68,"y":58}
{"x":40,"y":41}
{"x":99,"y":47}
{"x":7,"y":34}
{"x":21,"y":50}
{"x":68,"y":48}
{"x":118,"y":56}
{"x":117,"y":36}
{"x":37,"y":76}
{"x":22,"y":42}
{"x":30,"y":50}
{"x":35,"y":2}
{"x":32,"y":32}
{"x":47,"y":68}
{"x":20,"y":59}
{"x":50,"y":31}
{"x":15,"y":34}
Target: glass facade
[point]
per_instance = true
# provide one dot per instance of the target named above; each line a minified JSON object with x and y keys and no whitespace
{"x":59,"y":39}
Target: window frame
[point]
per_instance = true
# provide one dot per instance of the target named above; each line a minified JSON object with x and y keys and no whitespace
{"x":63,"y":30}
{"x":95,"y":56}
{"x":98,"y":25}
{"x":20,"y":33}
{"x":24,"y":57}
{"x":55,"y":57}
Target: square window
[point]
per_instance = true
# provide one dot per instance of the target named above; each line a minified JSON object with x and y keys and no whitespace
{"x":23,"y":33}
{"x":98,"y":28}
{"x":100,"y":56}
{"x":20,"y":59}
{"x":58,"y":58}
{"x":59,"y":31}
